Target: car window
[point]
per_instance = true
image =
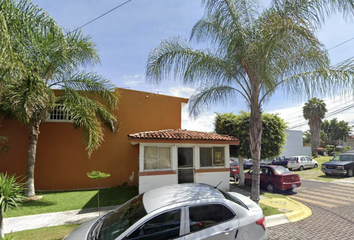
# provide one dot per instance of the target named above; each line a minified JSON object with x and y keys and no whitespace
{"x":281,"y":170}
{"x":209,"y":215}
{"x":293,"y":159}
{"x":163,"y":226}
{"x":233,"y":163}
{"x":233,"y":199}
{"x":303,"y":159}
{"x":122,"y":218}
{"x":264,"y":171}
{"x":346,"y":157}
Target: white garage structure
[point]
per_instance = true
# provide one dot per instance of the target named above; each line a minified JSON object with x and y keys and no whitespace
{"x":181,"y":156}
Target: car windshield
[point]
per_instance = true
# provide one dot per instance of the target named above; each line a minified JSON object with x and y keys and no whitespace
{"x":344,"y":158}
{"x":233,"y":163}
{"x":122,"y":218}
{"x":293,"y":159}
{"x":281,"y":170}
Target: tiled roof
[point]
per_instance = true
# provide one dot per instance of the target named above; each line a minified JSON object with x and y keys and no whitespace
{"x":180,"y":134}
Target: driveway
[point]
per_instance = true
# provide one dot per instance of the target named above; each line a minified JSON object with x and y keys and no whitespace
{"x":332,"y":217}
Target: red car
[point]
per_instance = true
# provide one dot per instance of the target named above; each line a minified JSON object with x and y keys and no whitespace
{"x":274,"y":178}
{"x":234,"y":170}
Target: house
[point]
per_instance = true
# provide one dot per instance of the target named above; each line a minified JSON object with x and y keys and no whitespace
{"x":180,"y":156}
{"x":62,"y":162}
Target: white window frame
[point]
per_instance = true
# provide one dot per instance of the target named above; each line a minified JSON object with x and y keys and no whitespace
{"x":213,"y":157}
{"x":62,"y":115}
{"x":157,"y":169}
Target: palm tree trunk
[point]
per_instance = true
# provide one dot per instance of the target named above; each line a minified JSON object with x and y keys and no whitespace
{"x":255,"y":146}
{"x":315,"y":129}
{"x":2,"y":232}
{"x":241,"y":181}
{"x":31,"y":157}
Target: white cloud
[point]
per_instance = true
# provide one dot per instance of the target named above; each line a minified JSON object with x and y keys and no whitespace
{"x":133,"y":80}
{"x":179,"y":91}
{"x":204,"y":123}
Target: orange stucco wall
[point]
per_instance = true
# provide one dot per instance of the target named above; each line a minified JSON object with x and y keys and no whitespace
{"x":62,"y":161}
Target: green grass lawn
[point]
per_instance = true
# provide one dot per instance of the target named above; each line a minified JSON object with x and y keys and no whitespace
{"x":73,"y":200}
{"x":49,"y":233}
{"x":316,"y":173}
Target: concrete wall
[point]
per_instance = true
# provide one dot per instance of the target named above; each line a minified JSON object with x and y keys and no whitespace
{"x":294,"y":144}
{"x":62,"y":161}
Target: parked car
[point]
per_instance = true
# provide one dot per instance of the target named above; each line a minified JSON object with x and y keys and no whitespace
{"x":342,"y":164}
{"x":247,"y":164}
{"x":282,"y":161}
{"x":273,"y":177}
{"x":234,"y":170}
{"x":180,"y":211}
{"x":301,"y":163}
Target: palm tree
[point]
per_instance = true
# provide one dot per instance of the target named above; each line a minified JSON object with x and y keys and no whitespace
{"x":54,"y":60}
{"x":314,"y":110}
{"x":11,"y":196}
{"x":251,"y":55}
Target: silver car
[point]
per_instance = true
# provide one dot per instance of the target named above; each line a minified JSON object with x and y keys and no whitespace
{"x":182,"y":211}
{"x":301,"y":163}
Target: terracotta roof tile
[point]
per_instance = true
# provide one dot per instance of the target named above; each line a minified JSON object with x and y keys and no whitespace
{"x":180,"y":134}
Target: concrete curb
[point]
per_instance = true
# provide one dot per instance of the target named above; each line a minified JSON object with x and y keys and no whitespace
{"x":294,"y":211}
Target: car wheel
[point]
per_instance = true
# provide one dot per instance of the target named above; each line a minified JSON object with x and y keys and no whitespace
{"x":350,"y":172}
{"x":316,"y":165}
{"x":327,"y":174}
{"x":290,"y":190}
{"x":301,"y":168}
{"x":270,"y":187}
{"x":290,"y":169}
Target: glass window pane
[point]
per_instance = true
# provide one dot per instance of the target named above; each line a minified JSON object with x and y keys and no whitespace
{"x":206,"y":157}
{"x":164,"y":226}
{"x":219,"y":159}
{"x":164,"y":158}
{"x":150,"y":158}
{"x":205,"y":216}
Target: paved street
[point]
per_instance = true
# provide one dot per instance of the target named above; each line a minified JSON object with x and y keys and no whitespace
{"x":332,"y":217}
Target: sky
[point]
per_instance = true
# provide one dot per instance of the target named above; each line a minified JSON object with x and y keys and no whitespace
{"x":126,"y":36}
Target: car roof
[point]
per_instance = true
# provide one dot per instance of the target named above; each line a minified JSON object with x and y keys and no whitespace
{"x":178,"y":193}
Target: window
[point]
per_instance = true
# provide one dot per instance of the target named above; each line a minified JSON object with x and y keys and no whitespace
{"x":205,"y":216}
{"x":157,"y":158}
{"x":213,"y":156}
{"x":121,"y":219}
{"x":59,"y":114}
{"x":164,"y":226}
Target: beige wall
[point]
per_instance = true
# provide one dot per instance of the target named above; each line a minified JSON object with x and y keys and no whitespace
{"x":62,"y":161}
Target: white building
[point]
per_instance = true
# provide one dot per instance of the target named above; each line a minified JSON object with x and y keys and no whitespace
{"x":181,"y":156}
{"x":294,"y":144}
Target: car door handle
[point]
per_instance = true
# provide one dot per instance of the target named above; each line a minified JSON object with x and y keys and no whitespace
{"x":227,"y":231}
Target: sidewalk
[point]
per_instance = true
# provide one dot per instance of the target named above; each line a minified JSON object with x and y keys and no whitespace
{"x":293,"y":211}
{"x":17,"y":224}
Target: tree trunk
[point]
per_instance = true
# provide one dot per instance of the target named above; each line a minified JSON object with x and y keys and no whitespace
{"x":315,"y":129}
{"x":241,"y":181}
{"x":2,"y":232}
{"x":255,"y":147}
{"x":31,"y":157}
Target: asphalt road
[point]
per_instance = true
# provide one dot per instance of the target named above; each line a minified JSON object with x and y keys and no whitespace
{"x":332,"y":217}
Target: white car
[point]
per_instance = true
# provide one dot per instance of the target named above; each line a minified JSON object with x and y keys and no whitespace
{"x":301,"y":163}
{"x":181,"y":211}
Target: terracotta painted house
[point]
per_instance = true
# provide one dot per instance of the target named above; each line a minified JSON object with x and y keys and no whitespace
{"x":62,"y":161}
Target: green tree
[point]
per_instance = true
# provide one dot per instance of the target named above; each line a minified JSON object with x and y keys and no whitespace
{"x":10,"y":196}
{"x":252,"y":54}
{"x":54,"y":59}
{"x":314,"y":111}
{"x":238,"y":125}
{"x":335,"y":130}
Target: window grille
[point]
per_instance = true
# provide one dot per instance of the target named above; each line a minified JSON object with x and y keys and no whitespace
{"x":59,"y":114}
